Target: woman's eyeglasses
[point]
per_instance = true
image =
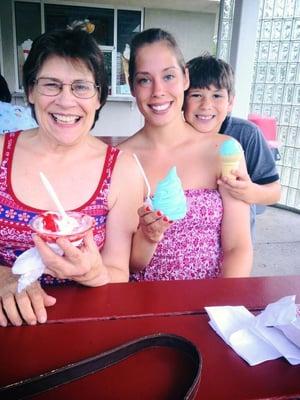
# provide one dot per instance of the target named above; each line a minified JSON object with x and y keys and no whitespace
{"x":53,"y":87}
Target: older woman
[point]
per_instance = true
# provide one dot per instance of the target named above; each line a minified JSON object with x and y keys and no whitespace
{"x":65,"y":83}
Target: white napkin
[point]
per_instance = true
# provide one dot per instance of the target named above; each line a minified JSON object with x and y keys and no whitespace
{"x":275,"y":332}
{"x":30,"y":266}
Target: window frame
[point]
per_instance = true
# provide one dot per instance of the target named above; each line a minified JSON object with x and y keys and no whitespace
{"x":113,"y":49}
{"x":1,"y":52}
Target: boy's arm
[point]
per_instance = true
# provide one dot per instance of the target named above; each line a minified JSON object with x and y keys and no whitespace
{"x":261,"y":184}
{"x":251,"y":193}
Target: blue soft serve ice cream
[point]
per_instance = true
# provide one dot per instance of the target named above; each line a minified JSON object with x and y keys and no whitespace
{"x":169,"y":196}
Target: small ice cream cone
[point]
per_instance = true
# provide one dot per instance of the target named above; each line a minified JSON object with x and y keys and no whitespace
{"x":229,"y":163}
{"x":231,"y":155}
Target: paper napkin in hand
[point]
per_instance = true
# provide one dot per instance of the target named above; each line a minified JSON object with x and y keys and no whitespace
{"x":30,"y":266}
{"x":261,"y":338}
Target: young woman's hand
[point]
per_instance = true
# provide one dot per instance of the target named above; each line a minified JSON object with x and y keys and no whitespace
{"x":29,"y":305}
{"x":153,"y":224}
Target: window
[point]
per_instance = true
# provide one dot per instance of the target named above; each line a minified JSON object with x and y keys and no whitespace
{"x":28,"y":27}
{"x":60,"y":17}
{"x":129,"y":23}
{"x":276,"y":87}
{"x":112,"y":28}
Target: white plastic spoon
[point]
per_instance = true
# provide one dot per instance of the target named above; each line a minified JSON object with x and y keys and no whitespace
{"x":66,"y":221}
{"x":53,"y":196}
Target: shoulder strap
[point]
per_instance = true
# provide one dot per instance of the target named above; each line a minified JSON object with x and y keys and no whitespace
{"x":10,"y":140}
{"x":77,"y":370}
{"x":109,"y":163}
{"x":110,"y":160}
{"x":143,"y":175}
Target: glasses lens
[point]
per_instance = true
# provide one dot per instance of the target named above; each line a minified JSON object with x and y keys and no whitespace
{"x":48,"y":87}
{"x":52,"y":87}
{"x":84,"y":89}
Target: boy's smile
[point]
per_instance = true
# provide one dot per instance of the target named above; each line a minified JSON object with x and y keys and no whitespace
{"x":205,"y":109}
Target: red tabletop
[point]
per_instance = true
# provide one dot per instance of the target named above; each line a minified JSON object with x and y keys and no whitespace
{"x":89,"y":321}
{"x":147,"y":298}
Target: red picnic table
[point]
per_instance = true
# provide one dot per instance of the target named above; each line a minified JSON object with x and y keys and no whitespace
{"x":88,"y":321}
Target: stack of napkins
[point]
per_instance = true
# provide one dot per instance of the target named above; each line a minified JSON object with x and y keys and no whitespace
{"x":274,"y":333}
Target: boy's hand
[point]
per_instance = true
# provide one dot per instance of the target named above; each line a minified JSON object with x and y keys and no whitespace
{"x":241,"y":188}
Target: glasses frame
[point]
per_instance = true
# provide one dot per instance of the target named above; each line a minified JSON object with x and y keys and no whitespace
{"x":62,"y":84}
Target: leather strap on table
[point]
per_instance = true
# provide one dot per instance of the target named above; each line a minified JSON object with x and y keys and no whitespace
{"x":77,"y":370}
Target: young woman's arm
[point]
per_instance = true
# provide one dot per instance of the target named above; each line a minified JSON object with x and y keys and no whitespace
{"x":152,"y":225}
{"x":235,"y":237}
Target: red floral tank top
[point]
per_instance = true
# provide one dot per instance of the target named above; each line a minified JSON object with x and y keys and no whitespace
{"x":15,"y":234}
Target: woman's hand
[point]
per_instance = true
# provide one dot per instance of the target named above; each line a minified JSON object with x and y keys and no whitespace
{"x":83,"y":265}
{"x":29,"y":305}
{"x":153,"y":224}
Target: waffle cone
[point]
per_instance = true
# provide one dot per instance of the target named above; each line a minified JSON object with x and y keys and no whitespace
{"x":229,"y":163}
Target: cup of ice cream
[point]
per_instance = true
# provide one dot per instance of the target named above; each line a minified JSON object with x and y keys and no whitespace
{"x":51,"y":225}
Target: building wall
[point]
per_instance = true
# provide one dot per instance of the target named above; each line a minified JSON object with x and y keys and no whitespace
{"x":120,"y":117}
{"x":194,"y":32}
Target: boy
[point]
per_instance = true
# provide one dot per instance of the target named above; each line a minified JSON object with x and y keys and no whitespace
{"x":207,"y":106}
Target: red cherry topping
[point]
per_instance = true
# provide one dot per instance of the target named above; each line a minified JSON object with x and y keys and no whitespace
{"x":49,"y":222}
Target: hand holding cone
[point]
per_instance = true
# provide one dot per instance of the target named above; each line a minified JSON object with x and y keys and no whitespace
{"x":231,"y":154}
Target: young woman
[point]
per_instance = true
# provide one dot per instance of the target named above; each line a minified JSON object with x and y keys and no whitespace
{"x":213,"y":239}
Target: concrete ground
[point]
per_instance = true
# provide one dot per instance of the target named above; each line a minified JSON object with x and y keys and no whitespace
{"x":277,"y":244}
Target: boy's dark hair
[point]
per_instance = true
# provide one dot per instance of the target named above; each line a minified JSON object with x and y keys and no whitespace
{"x":5,"y":95}
{"x":150,"y":36}
{"x":208,"y":70}
{"x":74,"y":45}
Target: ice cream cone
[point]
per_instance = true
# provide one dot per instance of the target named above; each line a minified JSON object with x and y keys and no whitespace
{"x":169,"y":196}
{"x":231,"y":154}
{"x":230,"y":163}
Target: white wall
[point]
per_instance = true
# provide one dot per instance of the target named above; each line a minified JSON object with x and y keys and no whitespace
{"x":194,"y":32}
{"x":118,"y":118}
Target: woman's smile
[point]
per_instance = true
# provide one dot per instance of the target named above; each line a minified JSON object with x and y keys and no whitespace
{"x":161,"y":108}
{"x":65,"y":119}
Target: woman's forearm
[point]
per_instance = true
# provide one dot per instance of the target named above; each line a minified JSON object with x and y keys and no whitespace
{"x":103,"y":274}
{"x":8,"y":281}
{"x":142,"y":251}
{"x":237,"y":263}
